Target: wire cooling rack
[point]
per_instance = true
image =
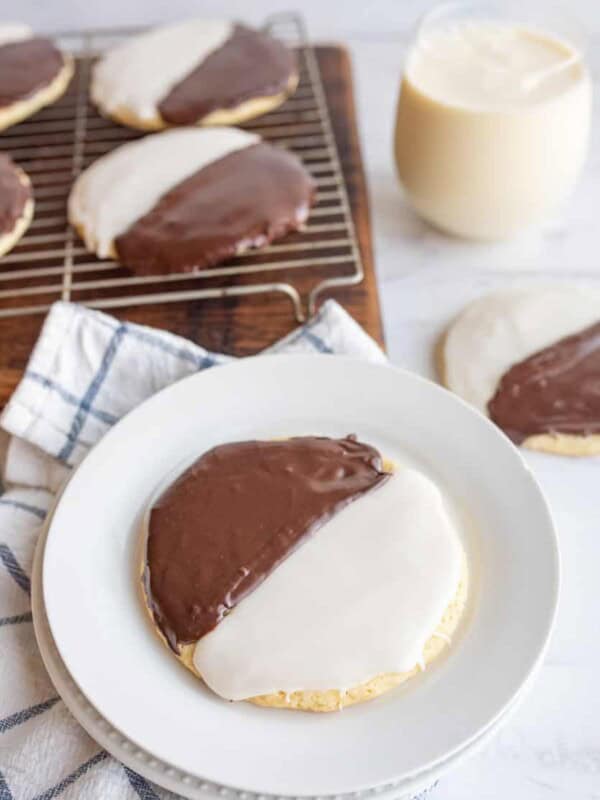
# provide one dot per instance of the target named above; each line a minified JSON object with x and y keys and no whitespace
{"x":51,"y":262}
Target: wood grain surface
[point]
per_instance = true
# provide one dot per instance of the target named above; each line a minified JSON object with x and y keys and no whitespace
{"x":245,"y":325}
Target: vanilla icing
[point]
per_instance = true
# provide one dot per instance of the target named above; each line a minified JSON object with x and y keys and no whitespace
{"x":359,"y":599}
{"x":14,"y":32}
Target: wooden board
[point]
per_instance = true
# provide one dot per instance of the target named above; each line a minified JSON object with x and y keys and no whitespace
{"x":244,"y":325}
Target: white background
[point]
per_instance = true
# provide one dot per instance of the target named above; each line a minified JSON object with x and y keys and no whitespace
{"x":551,"y":748}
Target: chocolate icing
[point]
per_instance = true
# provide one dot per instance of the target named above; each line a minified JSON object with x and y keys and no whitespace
{"x":26,"y":67}
{"x":235,"y":515}
{"x":249,"y":64}
{"x":245,"y":199}
{"x":556,"y":390}
{"x":13,"y":195}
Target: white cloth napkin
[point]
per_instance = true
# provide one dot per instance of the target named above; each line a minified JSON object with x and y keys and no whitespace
{"x":87,"y":370}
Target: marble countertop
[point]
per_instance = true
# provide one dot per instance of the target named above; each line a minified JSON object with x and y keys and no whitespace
{"x":551,"y":747}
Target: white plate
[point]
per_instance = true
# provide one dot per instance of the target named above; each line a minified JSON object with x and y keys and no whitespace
{"x":182,"y":783}
{"x":102,"y":634}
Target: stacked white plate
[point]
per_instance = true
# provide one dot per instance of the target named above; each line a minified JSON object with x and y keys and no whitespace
{"x":130,"y":695}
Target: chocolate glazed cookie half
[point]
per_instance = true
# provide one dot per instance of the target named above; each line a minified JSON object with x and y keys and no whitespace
{"x":33,"y":74}
{"x":240,"y":202}
{"x":16,"y":203}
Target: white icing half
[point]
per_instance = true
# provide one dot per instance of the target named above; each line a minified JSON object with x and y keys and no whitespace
{"x":119,"y":188}
{"x":140,"y":73}
{"x":360,"y":598}
{"x":14,"y":32}
{"x":502,"y":329}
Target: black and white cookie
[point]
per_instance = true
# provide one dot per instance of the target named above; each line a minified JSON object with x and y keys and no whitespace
{"x":197,"y":72}
{"x":33,"y":73}
{"x":302,"y":573}
{"x":530,"y":360}
{"x":186,"y":199}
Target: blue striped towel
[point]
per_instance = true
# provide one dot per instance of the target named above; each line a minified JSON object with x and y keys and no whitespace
{"x":87,"y":370}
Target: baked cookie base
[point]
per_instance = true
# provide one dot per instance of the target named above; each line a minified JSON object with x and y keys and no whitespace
{"x":10,"y":239}
{"x":336,"y":699}
{"x":564,"y":444}
{"x":558,"y":444}
{"x":255,"y":107}
{"x":17,"y":112}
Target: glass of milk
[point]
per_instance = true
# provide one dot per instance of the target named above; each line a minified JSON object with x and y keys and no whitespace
{"x":493,"y":118}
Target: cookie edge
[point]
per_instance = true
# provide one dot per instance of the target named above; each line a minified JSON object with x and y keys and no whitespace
{"x":87,"y":236}
{"x":23,"y":109}
{"x":220,"y":117}
{"x":10,"y":239}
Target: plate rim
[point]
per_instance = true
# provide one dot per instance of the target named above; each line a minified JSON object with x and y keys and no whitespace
{"x":158,"y":771}
{"x":526,"y":474}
